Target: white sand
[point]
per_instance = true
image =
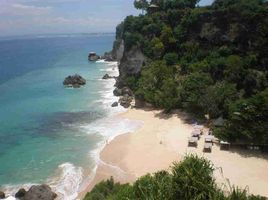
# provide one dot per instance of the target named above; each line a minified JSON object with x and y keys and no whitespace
{"x":164,"y":139}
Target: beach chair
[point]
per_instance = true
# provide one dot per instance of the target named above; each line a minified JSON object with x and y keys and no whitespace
{"x":207,"y":147}
{"x":196,"y":133}
{"x":224,"y":145}
{"x":209,"y":139}
{"x":192,"y":141}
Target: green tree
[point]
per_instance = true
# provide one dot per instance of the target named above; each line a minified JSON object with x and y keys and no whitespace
{"x":141,"y":4}
{"x":171,"y":58}
{"x":247,"y":120}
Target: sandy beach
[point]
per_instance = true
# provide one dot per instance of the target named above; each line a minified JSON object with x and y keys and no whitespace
{"x":162,"y":140}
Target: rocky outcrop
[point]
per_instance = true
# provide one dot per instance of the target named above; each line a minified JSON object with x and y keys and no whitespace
{"x":118,"y":50}
{"x":20,"y":194}
{"x":117,"y":92}
{"x":92,"y":56}
{"x":39,"y":192}
{"x":123,"y":91}
{"x":108,"y":57}
{"x":125,"y":101}
{"x":2,"y":195}
{"x":132,"y":62}
{"x":115,"y":104}
{"x":107,"y":76}
{"x":74,"y":81}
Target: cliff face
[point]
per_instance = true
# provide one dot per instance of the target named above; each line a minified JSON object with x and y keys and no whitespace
{"x":130,"y":61}
{"x":118,"y":50}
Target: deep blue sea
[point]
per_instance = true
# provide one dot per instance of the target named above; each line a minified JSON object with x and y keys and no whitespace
{"x":49,"y":133}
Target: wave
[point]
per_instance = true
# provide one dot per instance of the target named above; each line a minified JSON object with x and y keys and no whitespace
{"x":70,"y":179}
{"x":67,"y":184}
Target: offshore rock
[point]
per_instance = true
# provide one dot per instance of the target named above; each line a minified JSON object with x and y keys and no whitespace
{"x":74,"y":81}
{"x":92,"y":56}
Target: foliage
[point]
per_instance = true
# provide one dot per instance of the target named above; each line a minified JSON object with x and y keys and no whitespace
{"x":171,"y":58}
{"x":207,"y":60}
{"x":191,"y":179}
{"x":248,"y":120}
{"x":157,"y":86}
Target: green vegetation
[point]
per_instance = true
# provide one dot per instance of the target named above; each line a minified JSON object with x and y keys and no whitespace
{"x":192,"y":179}
{"x":206,"y":60}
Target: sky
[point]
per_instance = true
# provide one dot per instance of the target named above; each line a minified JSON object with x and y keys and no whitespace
{"x":26,"y":17}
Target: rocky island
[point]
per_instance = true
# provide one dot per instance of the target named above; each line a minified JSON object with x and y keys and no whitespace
{"x":75,"y":81}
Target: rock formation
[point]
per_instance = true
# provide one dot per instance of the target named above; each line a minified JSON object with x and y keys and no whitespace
{"x":125,"y":101}
{"x":93,"y":56}
{"x":107,"y":76}
{"x":39,"y":192}
{"x":20,"y":194}
{"x":74,"y":81}
{"x":115,"y":104}
{"x":2,"y":195}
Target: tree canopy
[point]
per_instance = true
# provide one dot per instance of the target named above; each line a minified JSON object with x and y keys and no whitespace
{"x":205,"y":60}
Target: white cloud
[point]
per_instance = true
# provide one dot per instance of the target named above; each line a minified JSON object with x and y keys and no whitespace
{"x":21,"y":9}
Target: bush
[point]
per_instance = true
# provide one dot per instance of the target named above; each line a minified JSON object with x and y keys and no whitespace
{"x":171,"y":58}
{"x":191,"y":179}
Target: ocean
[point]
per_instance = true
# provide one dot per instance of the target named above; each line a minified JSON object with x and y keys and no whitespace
{"x":49,"y":133}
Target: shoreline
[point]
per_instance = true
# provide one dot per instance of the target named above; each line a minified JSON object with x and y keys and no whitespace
{"x":152,"y":148}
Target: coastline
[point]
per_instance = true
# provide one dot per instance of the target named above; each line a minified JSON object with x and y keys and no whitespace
{"x":162,"y":140}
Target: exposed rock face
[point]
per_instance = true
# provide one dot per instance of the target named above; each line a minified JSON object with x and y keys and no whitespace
{"x":127,"y":91}
{"x":132,"y":62}
{"x":20,"y":194}
{"x":125,"y":101}
{"x":93,"y":57}
{"x":74,"y":81}
{"x":115,"y":104}
{"x":108,"y":57}
{"x":117,"y":92}
{"x":118,"y":50}
{"x":107,"y":76}
{"x":40,"y":192}
{"x":142,"y":104}
{"x":2,"y":195}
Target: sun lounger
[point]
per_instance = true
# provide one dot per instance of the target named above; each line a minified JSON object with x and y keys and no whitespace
{"x":192,"y":141}
{"x":207,"y":147}
{"x":196,"y":133}
{"x":224,"y":145}
{"x":209,"y":139}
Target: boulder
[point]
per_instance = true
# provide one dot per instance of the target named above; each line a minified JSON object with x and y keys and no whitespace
{"x":117,"y":92}
{"x":40,"y":192}
{"x":115,"y":104}
{"x":126,"y":91}
{"x":21,"y":193}
{"x":74,"y":81}
{"x":125,"y":101}
{"x":2,"y":195}
{"x":93,"y":56}
{"x":107,"y":76}
{"x":108,"y":57}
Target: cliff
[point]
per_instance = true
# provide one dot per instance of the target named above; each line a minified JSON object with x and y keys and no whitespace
{"x":209,"y":61}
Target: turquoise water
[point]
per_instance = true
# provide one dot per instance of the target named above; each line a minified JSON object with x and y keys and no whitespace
{"x":47,"y":130}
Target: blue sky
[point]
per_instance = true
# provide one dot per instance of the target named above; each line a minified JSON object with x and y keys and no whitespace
{"x":23,"y":17}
